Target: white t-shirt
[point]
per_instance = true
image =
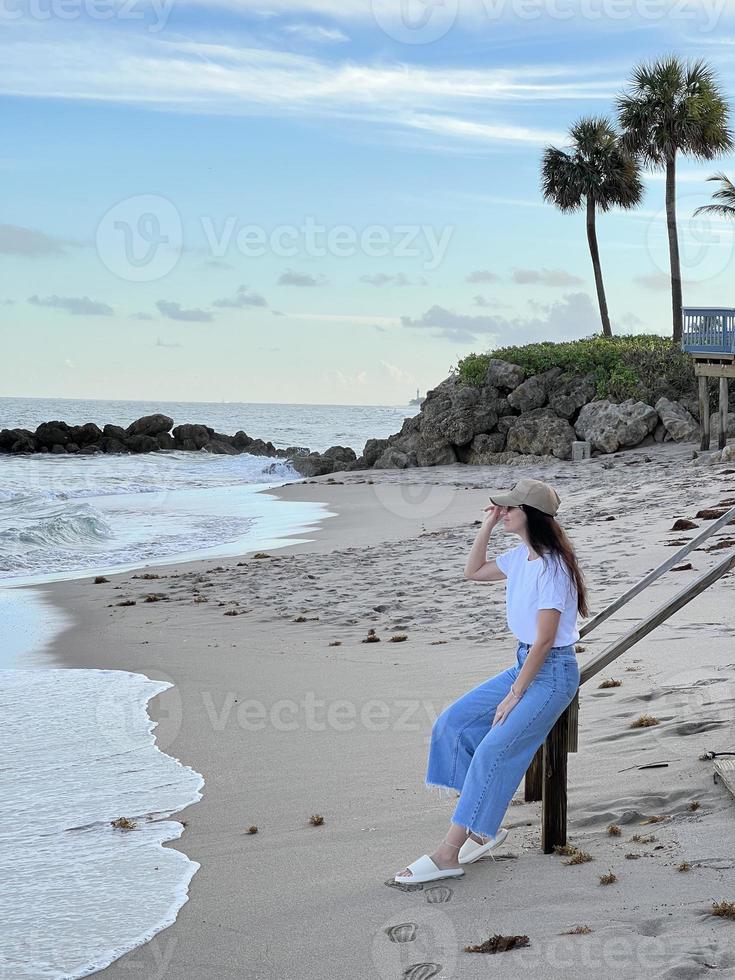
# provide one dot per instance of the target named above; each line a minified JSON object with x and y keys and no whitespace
{"x":543,"y":583}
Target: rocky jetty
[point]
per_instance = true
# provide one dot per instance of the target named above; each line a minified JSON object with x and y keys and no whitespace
{"x":510,"y":417}
{"x":505,"y":419}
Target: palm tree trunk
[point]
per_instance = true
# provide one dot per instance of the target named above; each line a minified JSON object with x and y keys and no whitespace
{"x":595,"y":253}
{"x":675,"y":264}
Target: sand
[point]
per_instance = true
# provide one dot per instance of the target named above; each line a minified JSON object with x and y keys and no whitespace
{"x":283,"y":724}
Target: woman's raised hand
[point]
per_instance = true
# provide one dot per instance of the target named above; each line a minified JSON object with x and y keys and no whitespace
{"x":493,"y":514}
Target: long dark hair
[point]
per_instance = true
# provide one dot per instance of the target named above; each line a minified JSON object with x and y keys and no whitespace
{"x":547,"y":536}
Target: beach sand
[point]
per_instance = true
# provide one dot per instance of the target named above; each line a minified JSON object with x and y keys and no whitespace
{"x":284,"y":725}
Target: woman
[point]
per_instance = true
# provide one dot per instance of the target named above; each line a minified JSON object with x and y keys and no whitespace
{"x":483,"y":744}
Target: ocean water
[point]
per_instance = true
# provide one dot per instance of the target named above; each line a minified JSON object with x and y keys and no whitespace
{"x":79,"y":753}
{"x":79,"y":745}
{"x":65,"y":515}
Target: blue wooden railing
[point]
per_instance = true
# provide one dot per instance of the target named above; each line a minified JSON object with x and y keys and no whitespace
{"x":708,"y":330}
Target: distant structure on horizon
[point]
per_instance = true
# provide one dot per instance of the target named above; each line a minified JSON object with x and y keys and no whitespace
{"x":417,"y":400}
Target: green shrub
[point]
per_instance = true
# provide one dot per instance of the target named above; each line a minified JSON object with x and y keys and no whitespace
{"x":643,"y":366}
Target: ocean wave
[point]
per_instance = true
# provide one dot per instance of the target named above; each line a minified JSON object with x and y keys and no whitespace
{"x":75,"y":892}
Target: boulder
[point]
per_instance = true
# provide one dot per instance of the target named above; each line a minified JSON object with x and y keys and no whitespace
{"x":529,"y":395}
{"x":165,"y":440}
{"x":191,"y":436}
{"x":149,"y":425}
{"x":609,"y":426}
{"x":503,"y":374}
{"x":109,"y":444}
{"x":17,"y":441}
{"x":340,"y":454}
{"x":392,"y":459}
{"x":85,"y":434}
{"x":114,"y":432}
{"x":566,"y":398}
{"x":455,"y":412}
{"x":52,"y":434}
{"x":373,"y":450}
{"x":142,"y":444}
{"x":541,"y":436}
{"x":313,"y":465}
{"x":714,"y":424}
{"x":677,"y":420}
{"x":221,"y":448}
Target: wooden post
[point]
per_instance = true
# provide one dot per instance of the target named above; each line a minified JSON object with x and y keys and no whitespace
{"x":554,"y":797}
{"x":534,"y":777}
{"x":722,"y":431}
{"x":704,"y":412}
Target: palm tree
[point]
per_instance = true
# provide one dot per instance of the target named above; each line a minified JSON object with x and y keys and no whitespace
{"x":725,"y":193}
{"x":674,"y":107}
{"x":598,"y":172}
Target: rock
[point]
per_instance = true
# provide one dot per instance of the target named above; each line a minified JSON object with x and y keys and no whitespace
{"x":660,"y":434}
{"x":313,"y":465}
{"x":52,"y":434}
{"x":373,"y":450}
{"x":392,"y":459}
{"x":58,"y":450}
{"x":728,"y":454}
{"x":191,"y":436}
{"x":340,"y":454}
{"x":542,"y":436}
{"x":677,"y":420}
{"x":149,"y":425}
{"x":90,"y":450}
{"x":142,"y":444}
{"x":241,"y":440}
{"x":85,"y":434}
{"x":454,"y":412}
{"x":609,"y":426}
{"x":72,"y":447}
{"x":294,"y":451}
{"x":503,"y":374}
{"x":17,"y":441}
{"x":115,"y":432}
{"x":567,"y":398}
{"x":221,"y":448}
{"x":529,"y":395}
{"x":165,"y":440}
{"x":109,"y":444}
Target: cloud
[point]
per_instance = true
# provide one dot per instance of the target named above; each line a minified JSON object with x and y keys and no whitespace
{"x":398,"y":374}
{"x":291,"y":278}
{"x":482,"y":275}
{"x":166,"y":343}
{"x":488,"y":304}
{"x":240,"y":300}
{"x":546,"y":277}
{"x":175,"y":73}
{"x":7,"y":302}
{"x":174,"y":311}
{"x":140,"y":316}
{"x":315,"y":32}
{"x":15,"y":240}
{"x":385,"y":279}
{"x":573,"y":316}
{"x":657,"y":281}
{"x":76,"y":305}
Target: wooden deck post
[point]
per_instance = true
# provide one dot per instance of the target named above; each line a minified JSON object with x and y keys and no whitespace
{"x":534,"y":777}
{"x":554,"y":805}
{"x":722,"y":430}
{"x":703,"y":412}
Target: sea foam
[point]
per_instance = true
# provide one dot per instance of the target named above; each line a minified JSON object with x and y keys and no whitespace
{"x":78,"y":753}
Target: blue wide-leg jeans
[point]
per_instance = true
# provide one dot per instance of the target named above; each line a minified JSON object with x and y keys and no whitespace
{"x":485,"y":763}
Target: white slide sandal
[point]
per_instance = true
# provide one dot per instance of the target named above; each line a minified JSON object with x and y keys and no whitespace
{"x":424,"y":869}
{"x":472,"y":851}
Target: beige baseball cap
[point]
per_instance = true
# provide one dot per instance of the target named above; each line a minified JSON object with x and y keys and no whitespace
{"x":535,"y":493}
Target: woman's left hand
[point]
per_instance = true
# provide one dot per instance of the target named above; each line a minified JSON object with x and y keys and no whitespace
{"x":504,"y":708}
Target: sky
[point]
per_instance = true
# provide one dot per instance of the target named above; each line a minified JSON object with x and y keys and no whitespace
{"x":323,"y":201}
